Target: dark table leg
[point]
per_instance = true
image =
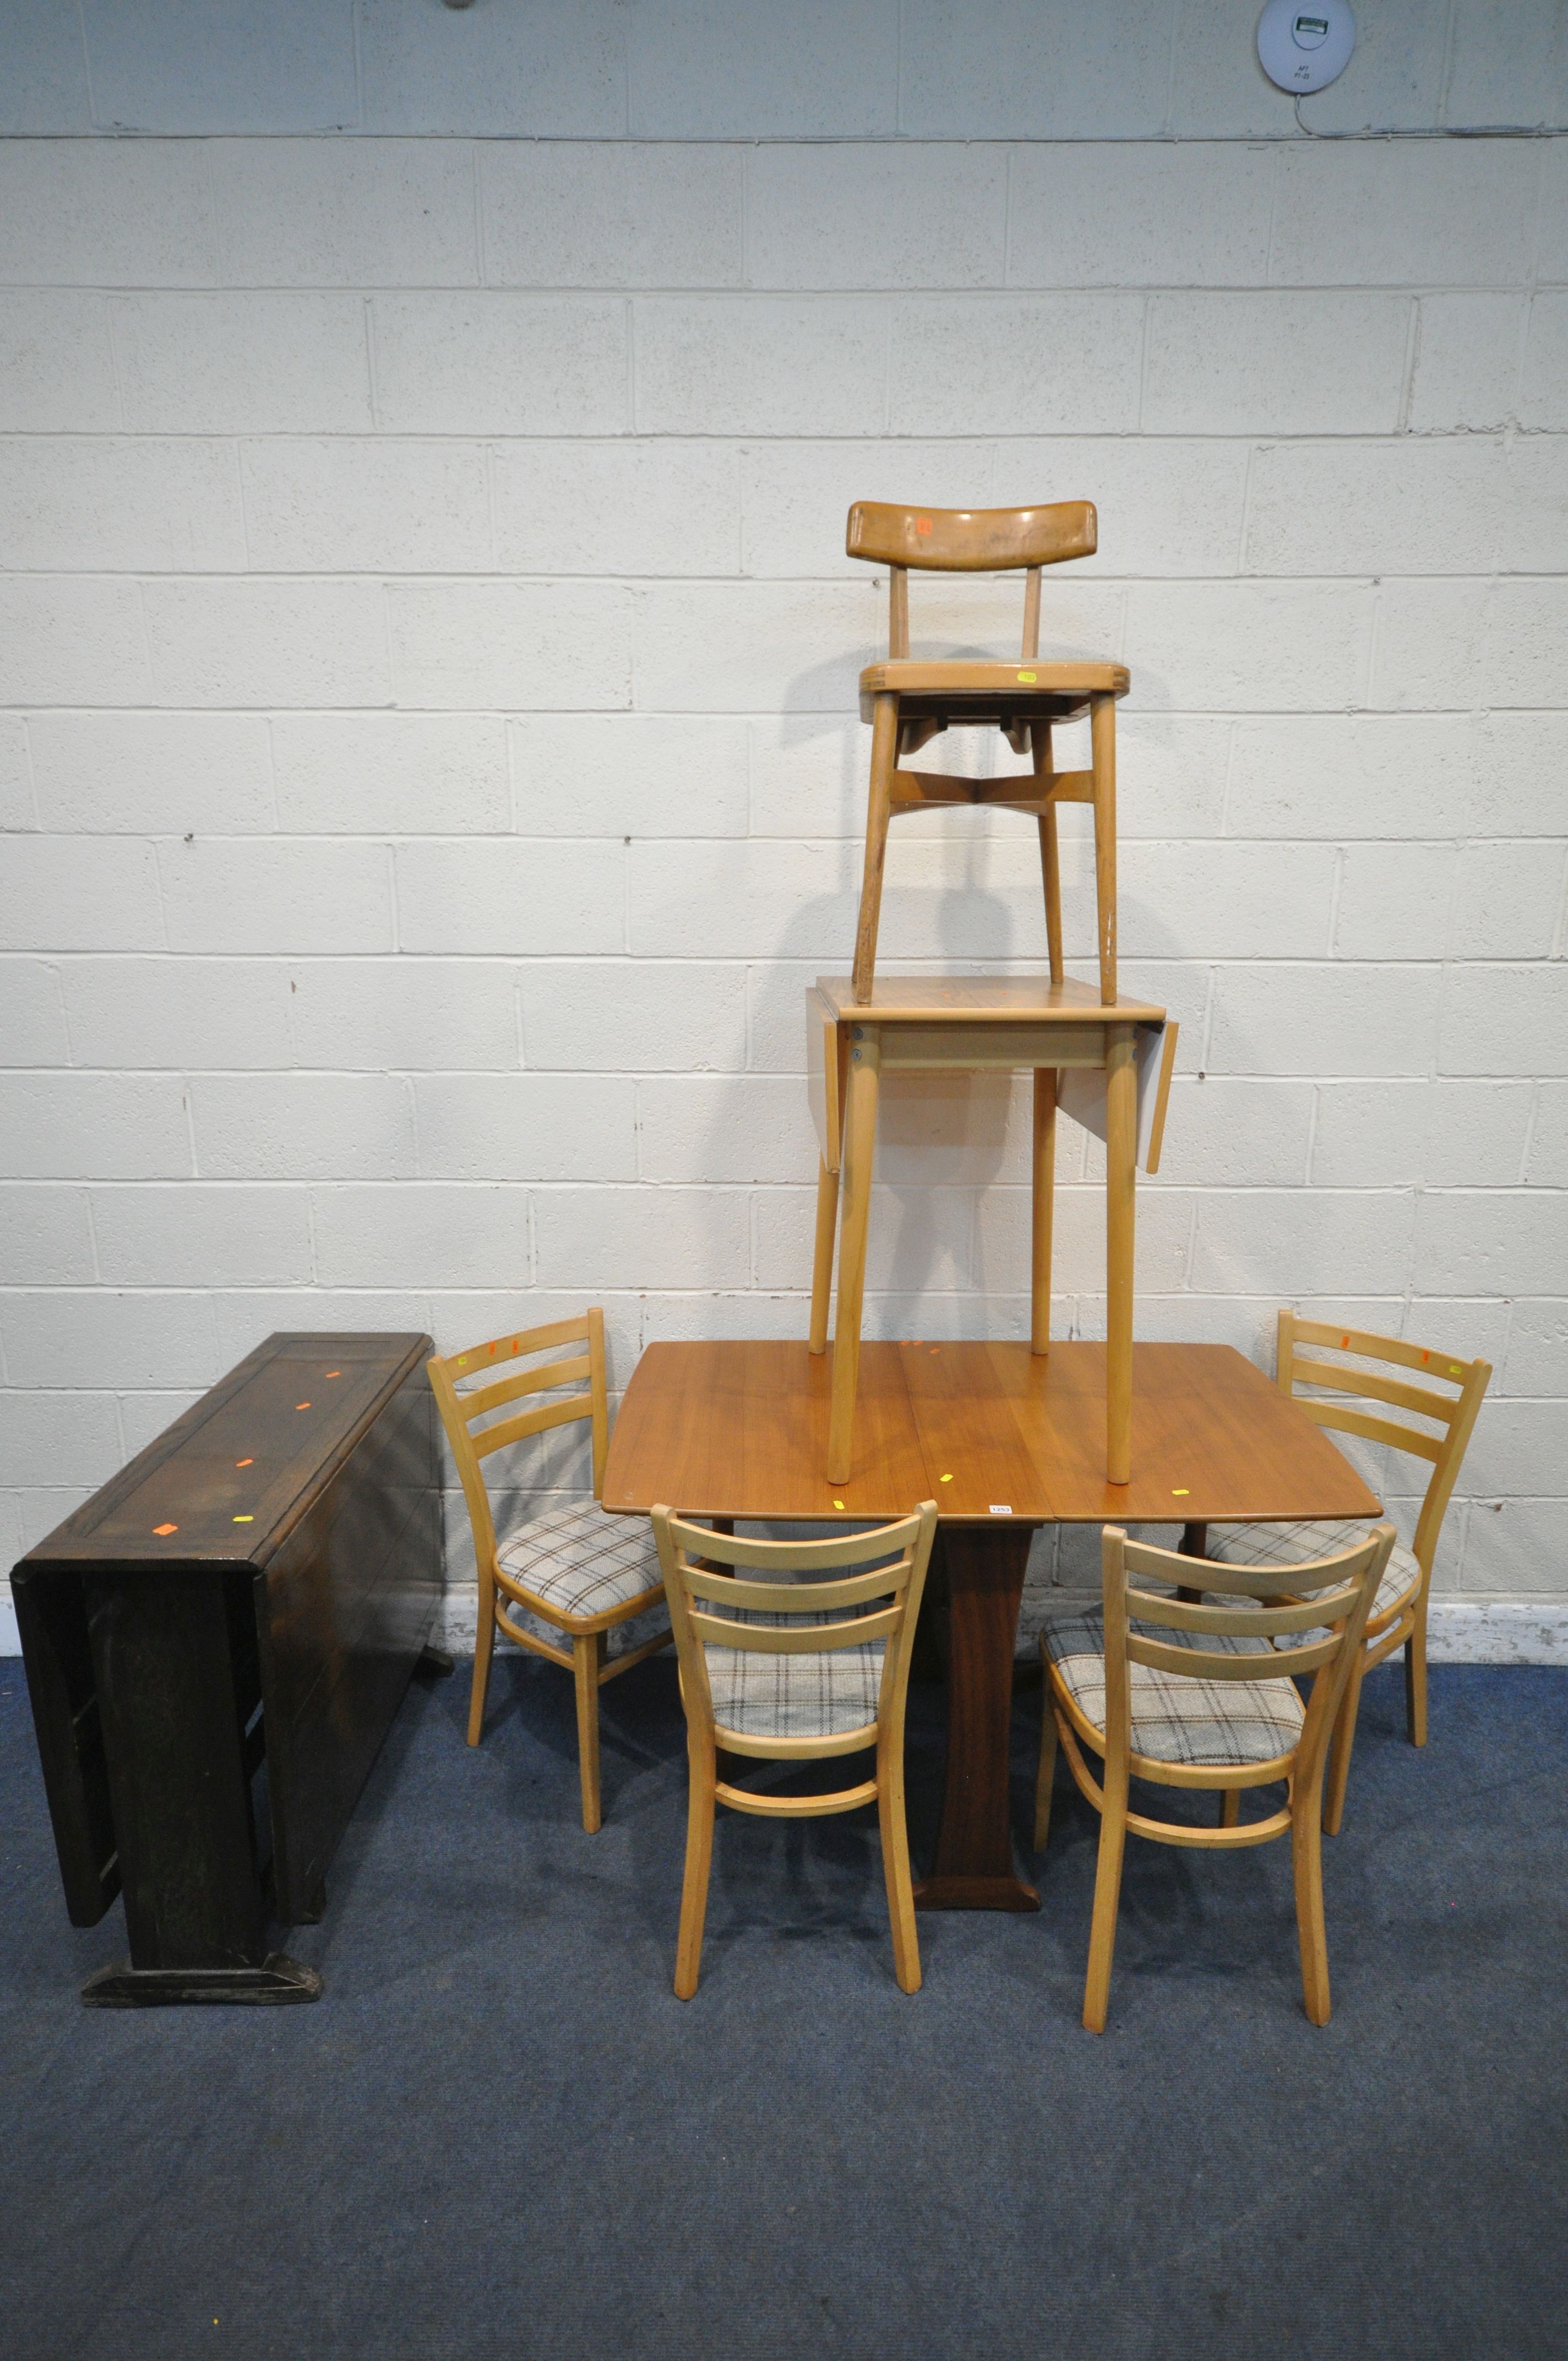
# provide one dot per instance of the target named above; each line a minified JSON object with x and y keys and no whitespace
{"x":974,"y":1868}
{"x":1194,"y":1543}
{"x":170,"y":1651}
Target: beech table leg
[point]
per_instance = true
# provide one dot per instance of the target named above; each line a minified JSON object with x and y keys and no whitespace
{"x":859,"y":1141}
{"x":822,"y":1258}
{"x":1103,"y":734}
{"x":1121,"y":1151}
{"x":1044,"y":1193}
{"x":974,"y":1869}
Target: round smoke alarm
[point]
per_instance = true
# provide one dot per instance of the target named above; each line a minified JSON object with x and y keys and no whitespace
{"x":1305,"y":49}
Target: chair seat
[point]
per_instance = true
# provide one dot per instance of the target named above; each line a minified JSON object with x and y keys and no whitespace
{"x":1002,"y":693}
{"x":580,"y":1560}
{"x":911,"y":676}
{"x":821,"y":1694}
{"x":1216,"y":1725}
{"x":1298,"y":1543}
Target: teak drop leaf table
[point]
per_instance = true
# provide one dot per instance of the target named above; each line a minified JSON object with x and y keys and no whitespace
{"x":1003,"y":1441}
{"x":1108,"y":1063}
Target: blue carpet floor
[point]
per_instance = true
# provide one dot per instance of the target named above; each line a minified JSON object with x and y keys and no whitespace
{"x":499,"y":2135}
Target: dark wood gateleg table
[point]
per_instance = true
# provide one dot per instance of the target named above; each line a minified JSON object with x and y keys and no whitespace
{"x":1005,"y":1441}
{"x":251,"y":1592}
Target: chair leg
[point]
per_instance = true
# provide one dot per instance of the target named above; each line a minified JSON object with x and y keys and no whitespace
{"x":1230,"y":1807}
{"x":1343,"y":1739}
{"x":1307,"y":1862}
{"x":879,"y":807}
{"x":1107,"y":1895}
{"x":895,"y":1827}
{"x":1044,"y":1776}
{"x":1050,"y":870}
{"x":822,"y":1259}
{"x":1050,"y":856}
{"x":588,"y":1656}
{"x":1103,"y":733}
{"x":700,"y":1807}
{"x":1416,"y":1676}
{"x":484,"y":1646}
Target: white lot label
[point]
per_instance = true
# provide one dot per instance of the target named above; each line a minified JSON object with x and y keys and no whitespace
{"x":1002,"y":1509}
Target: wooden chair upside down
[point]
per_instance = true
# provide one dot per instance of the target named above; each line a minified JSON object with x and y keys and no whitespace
{"x":1213,"y":1703}
{"x":910,"y":702}
{"x":1398,"y":1615}
{"x":795,"y":1671}
{"x":577,"y":1569}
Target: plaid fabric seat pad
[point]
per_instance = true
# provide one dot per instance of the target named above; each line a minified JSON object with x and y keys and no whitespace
{"x":581,"y":1561}
{"x":1298,"y":1543}
{"x":819,"y":1694}
{"x":1209,"y":1724}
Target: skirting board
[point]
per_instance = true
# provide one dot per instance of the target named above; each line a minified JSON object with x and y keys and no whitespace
{"x":1459,"y":1631}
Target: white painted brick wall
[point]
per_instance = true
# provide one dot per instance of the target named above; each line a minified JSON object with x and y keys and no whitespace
{"x":429,"y":763}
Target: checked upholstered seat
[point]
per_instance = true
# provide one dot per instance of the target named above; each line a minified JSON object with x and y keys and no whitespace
{"x":1297,"y":1544}
{"x":1175,"y":1720}
{"x":816,"y":1696}
{"x":580,"y":1560}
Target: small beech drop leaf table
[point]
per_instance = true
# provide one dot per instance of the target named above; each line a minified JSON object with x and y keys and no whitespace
{"x":1003,"y":1440}
{"x":1108,"y":1064}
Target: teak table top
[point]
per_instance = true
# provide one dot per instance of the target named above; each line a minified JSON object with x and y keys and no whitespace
{"x":740,"y":1430}
{"x":975,"y":999}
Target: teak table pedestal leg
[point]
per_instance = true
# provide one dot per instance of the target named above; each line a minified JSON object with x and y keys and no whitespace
{"x":974,"y":1869}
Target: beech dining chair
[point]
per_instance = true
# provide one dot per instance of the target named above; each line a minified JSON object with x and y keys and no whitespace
{"x":1449,"y":1402}
{"x":573,"y":1568}
{"x":1168,"y":1686}
{"x":795,"y":1670}
{"x":908,"y":702}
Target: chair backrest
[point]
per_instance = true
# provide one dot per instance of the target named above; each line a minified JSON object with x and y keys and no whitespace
{"x":1451,"y":1401}
{"x":1343,"y":1589}
{"x":710,"y":1607}
{"x":468,"y":1393}
{"x":969,"y":541}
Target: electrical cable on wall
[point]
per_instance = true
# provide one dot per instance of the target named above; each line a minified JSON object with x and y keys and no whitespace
{"x":1443,"y":131}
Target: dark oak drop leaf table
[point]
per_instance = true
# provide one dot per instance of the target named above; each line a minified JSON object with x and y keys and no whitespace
{"x":1005,"y":1441}
{"x":249,"y":1595}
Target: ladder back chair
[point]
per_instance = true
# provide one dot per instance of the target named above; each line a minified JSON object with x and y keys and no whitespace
{"x":908,"y":703}
{"x":1187,"y":1691}
{"x":576,"y":1568}
{"x":795,"y":1671}
{"x":1450,"y":1402}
